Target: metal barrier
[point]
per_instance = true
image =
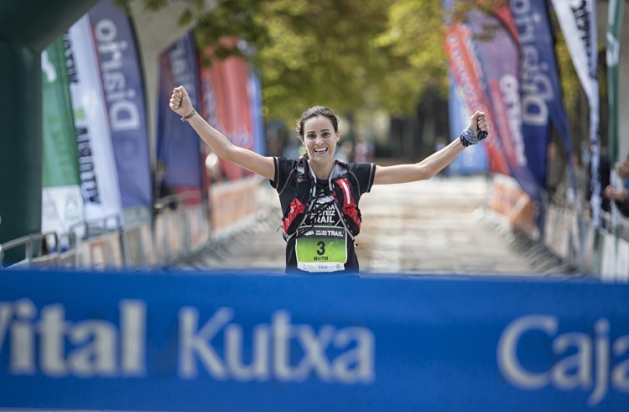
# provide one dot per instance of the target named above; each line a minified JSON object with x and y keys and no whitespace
{"x":137,"y":239}
{"x":510,"y":212}
{"x":98,"y":243}
{"x":613,"y":248}
{"x":177,"y":227}
{"x":180,"y":226}
{"x":28,"y":242}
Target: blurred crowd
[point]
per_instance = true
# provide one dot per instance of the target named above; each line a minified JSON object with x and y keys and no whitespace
{"x":614,"y":181}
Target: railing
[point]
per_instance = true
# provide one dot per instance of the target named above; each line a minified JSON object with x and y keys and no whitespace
{"x":106,"y":242}
{"x":612,"y":247}
{"x":28,"y":242}
{"x":176,"y":227}
{"x":568,"y":234}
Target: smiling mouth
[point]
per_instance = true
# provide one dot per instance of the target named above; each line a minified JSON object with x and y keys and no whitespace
{"x":321,"y":151}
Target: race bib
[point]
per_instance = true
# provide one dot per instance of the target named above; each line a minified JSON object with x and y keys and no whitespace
{"x":321,"y":249}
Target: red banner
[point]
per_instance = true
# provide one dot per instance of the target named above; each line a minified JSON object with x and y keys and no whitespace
{"x":226,"y":107}
{"x":466,"y":69}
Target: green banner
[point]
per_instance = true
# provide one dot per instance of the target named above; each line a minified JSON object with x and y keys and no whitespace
{"x":61,"y":167}
{"x":62,"y":202}
{"x":613,"y":52}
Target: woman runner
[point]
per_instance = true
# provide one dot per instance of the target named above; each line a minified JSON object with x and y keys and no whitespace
{"x":319,"y":195}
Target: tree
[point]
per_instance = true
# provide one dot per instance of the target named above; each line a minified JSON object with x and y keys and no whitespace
{"x":341,"y":53}
{"x":345,"y":54}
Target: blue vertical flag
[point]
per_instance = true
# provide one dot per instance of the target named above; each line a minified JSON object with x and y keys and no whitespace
{"x":540,"y":90}
{"x":498,"y":57}
{"x":254,"y":88}
{"x":124,"y":98}
{"x":473,"y":159}
{"x":178,"y":146}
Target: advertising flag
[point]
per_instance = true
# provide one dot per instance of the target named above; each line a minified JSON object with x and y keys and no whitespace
{"x":178,"y":146}
{"x":228,"y":106}
{"x":99,"y":178}
{"x":540,"y":91}
{"x":473,"y":159}
{"x":124,"y":100}
{"x":614,"y":26}
{"x":499,"y":58}
{"x":577,"y":19}
{"x":254,"y":86}
{"x":62,"y":204}
{"x":466,"y":70}
{"x":216,"y":110}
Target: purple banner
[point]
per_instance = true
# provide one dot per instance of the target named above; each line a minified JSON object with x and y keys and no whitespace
{"x":499,"y":60}
{"x":541,"y":97}
{"x":124,"y":97}
{"x":178,"y":146}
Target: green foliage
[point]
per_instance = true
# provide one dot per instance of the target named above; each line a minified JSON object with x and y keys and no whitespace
{"x":324,"y":52}
{"x":345,"y":54}
{"x":570,"y":84}
{"x":415,"y":34}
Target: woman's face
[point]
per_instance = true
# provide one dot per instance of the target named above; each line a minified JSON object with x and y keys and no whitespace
{"x":320,"y":139}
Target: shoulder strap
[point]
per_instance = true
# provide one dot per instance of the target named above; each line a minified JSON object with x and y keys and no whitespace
{"x":299,"y":168}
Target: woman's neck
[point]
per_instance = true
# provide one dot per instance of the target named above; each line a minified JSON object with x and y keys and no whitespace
{"x":322,"y":171}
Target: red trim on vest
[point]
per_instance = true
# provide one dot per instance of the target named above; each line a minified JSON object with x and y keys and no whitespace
{"x":349,"y":207}
{"x":296,"y":208}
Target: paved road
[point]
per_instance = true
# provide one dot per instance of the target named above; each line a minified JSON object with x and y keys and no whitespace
{"x":423,"y":227}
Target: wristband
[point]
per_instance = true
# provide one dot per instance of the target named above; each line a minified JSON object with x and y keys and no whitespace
{"x":468,"y":138}
{"x":185,"y":118}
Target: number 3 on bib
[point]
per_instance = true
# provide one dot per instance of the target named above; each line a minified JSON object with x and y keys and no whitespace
{"x":321,"y":249}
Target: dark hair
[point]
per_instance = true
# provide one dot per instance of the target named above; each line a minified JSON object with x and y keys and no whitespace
{"x":314,"y":112}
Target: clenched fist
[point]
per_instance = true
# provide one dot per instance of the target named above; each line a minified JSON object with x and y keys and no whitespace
{"x":180,"y":102}
{"x":476,"y":131}
{"x":479,"y":121}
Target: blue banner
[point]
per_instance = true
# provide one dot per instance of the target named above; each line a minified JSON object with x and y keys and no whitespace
{"x":541,"y":96}
{"x":254,"y":87}
{"x":499,"y":59}
{"x":236,"y":342}
{"x":178,"y":145}
{"x":124,"y":97}
{"x":474,"y":159}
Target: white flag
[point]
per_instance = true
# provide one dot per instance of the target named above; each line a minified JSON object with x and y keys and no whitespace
{"x":99,"y":179}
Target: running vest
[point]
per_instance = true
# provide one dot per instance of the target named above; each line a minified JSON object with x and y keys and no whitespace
{"x":312,"y":199}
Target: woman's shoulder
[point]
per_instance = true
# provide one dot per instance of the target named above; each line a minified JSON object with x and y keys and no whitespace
{"x":360,"y":166}
{"x":286,"y":163}
{"x":285,"y":168}
{"x":363,"y":173}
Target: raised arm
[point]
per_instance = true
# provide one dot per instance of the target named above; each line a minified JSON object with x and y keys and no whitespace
{"x":434,"y":163}
{"x":180,"y":103}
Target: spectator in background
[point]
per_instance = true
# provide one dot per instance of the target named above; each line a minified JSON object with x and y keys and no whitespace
{"x":603,"y":175}
{"x":162,"y":189}
{"x":363,"y":151}
{"x":292,"y":149}
{"x":345,"y":152}
{"x":274,"y":148}
{"x":563,"y":193}
{"x":553,"y":170}
{"x":620,"y":195}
